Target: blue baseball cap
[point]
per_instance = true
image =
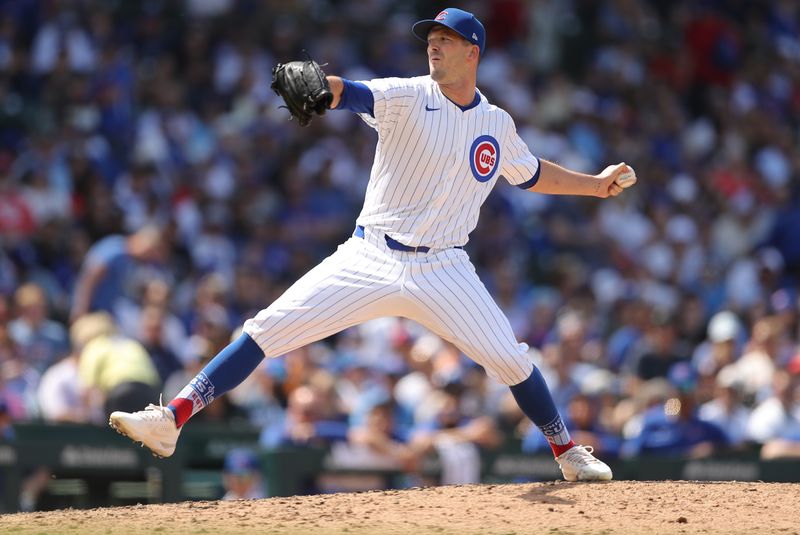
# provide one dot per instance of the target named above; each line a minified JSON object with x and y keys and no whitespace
{"x":462,"y":22}
{"x":241,"y":461}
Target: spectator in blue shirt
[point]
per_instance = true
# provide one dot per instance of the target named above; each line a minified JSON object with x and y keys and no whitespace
{"x":674,"y":429}
{"x":305,"y":423}
{"x":41,"y":341}
{"x":110,"y":265}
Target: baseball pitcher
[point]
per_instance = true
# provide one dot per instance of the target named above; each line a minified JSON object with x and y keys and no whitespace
{"x":441,"y":148}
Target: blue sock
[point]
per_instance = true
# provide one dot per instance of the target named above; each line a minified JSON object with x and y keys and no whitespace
{"x":534,"y":398}
{"x":226,"y":371}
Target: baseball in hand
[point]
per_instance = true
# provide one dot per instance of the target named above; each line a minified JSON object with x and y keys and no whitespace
{"x":626,"y":179}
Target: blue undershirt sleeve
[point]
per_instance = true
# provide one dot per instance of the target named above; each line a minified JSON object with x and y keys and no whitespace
{"x":357,"y":97}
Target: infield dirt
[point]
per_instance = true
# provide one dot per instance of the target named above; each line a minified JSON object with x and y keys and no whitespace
{"x":618,"y":507}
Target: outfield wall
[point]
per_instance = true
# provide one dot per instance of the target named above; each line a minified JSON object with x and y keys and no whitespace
{"x":90,"y":466}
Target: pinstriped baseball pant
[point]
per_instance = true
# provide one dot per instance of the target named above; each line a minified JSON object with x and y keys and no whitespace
{"x":365,"y":279}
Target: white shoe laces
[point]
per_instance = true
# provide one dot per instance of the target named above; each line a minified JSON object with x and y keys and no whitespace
{"x":155,"y":412}
{"x":581,"y":455}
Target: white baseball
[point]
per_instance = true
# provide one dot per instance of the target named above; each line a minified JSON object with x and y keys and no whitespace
{"x":626,"y":179}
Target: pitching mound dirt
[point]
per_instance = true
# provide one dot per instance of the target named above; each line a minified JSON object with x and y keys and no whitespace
{"x":620,"y":507}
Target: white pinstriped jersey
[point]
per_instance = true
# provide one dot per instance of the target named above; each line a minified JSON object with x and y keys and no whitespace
{"x":435,"y":163}
{"x":434,"y":166}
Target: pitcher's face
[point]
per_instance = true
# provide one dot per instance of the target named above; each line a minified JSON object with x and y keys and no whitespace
{"x":448,"y":55}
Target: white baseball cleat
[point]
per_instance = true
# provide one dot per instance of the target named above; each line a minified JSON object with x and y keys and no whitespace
{"x":154,"y":427}
{"x":578,"y":464}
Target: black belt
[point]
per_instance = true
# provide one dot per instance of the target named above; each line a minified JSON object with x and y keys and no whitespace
{"x":396,"y":245}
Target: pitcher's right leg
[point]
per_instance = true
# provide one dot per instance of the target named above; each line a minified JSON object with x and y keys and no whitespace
{"x":451,"y":300}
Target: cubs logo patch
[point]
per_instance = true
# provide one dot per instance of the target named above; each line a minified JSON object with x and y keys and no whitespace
{"x":203,"y":387}
{"x":484,"y":157}
{"x":441,"y":16}
{"x":553,"y":428}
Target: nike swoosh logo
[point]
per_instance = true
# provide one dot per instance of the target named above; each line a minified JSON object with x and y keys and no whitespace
{"x":431,"y":109}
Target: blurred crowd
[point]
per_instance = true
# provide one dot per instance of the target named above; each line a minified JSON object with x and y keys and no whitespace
{"x":153,"y":196}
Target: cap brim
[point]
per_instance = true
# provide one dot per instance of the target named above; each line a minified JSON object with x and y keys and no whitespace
{"x":241,"y":472}
{"x":421,"y":28}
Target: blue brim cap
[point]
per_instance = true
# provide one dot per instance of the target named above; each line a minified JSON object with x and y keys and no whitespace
{"x":241,"y":461}
{"x":462,"y":22}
